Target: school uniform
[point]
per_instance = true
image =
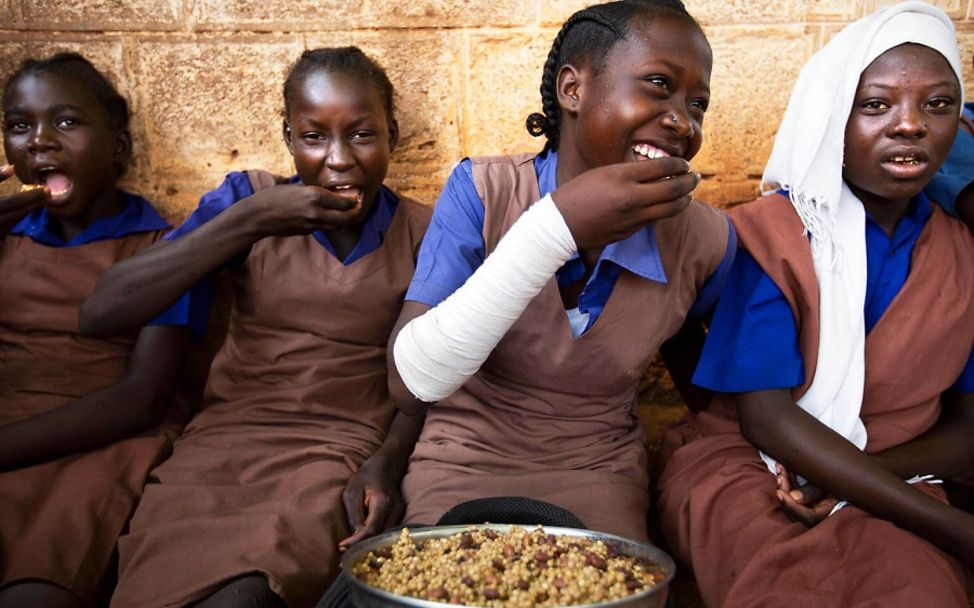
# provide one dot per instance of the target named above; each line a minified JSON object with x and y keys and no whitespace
{"x":295,"y":402}
{"x":550,"y":415}
{"x":59,"y":520}
{"x":718,"y":506}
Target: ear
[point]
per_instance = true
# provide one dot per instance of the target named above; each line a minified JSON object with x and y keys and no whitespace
{"x":393,"y":134}
{"x":123,"y":149}
{"x":568,"y":87}
{"x":286,"y":131}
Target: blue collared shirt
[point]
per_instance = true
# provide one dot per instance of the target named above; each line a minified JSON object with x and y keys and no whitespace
{"x":236,"y":187}
{"x":957,"y":172}
{"x":453,"y":249}
{"x":752,"y":344}
{"x":137,"y":215}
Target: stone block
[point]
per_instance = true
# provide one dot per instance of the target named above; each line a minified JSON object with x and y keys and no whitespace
{"x":957,"y":9}
{"x":102,"y":14}
{"x":707,"y":12}
{"x":501,"y":90}
{"x":720,"y":12}
{"x":750,"y":87}
{"x":209,"y":106}
{"x":308,"y":15}
{"x":832,"y":10}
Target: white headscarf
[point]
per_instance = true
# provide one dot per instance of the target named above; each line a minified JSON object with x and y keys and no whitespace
{"x":807,"y":161}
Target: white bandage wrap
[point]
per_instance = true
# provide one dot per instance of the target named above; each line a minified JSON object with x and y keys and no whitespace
{"x":438,"y":351}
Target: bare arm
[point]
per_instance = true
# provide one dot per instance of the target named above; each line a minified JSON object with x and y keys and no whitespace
{"x":372,"y":499}
{"x":136,"y":290}
{"x":681,"y":353}
{"x":773,"y":422}
{"x":945,"y":450}
{"x":15,"y":206}
{"x":133,"y":405}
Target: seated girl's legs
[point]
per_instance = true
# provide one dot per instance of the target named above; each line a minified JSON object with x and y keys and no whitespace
{"x":249,"y":591}
{"x":38,"y":593}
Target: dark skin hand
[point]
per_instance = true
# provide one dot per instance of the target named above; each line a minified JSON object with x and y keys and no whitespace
{"x":135,"y":404}
{"x":140,"y":288}
{"x":607,"y":204}
{"x":15,"y":206}
{"x":372,"y":499}
{"x":775,"y":424}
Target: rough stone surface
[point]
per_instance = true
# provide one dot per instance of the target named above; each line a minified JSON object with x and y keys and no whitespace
{"x":338,"y":15}
{"x":216,"y":106}
{"x":102,"y":14}
{"x":502,"y":89}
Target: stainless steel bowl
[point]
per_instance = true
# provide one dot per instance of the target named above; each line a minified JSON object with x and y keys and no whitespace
{"x":366,"y":596}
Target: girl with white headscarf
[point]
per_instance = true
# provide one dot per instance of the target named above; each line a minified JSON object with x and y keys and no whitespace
{"x":842,"y":347}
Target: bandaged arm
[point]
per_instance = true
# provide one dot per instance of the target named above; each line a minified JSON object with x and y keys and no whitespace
{"x":438,"y":351}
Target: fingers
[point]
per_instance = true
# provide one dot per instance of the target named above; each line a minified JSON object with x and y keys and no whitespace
{"x":654,"y":170}
{"x":354,"y":500}
{"x":380,"y":509}
{"x":6,"y":172}
{"x":796,"y":511}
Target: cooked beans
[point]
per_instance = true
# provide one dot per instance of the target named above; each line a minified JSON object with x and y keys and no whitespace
{"x":518,"y":568}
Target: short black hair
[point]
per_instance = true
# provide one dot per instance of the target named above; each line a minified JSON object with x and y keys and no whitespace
{"x":588,"y":36}
{"x":346,"y":60}
{"x":75,"y":68}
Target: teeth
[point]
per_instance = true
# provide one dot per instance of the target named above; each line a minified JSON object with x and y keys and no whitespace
{"x":912,"y":160}
{"x":342,"y":187}
{"x":648,"y":151}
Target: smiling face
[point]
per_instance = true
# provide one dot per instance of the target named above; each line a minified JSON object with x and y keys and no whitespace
{"x":902,"y":125}
{"x":340,"y":135}
{"x":648,"y":100}
{"x":56,"y":133}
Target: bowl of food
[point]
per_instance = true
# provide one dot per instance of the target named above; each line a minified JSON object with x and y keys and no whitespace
{"x":495,"y":565}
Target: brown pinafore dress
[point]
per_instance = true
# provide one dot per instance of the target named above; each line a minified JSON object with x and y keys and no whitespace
{"x":60,"y":520}
{"x":551,"y":417}
{"x":718,"y":505}
{"x":296,"y":400}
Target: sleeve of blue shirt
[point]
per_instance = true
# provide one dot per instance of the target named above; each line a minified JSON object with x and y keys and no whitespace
{"x":710,"y":292}
{"x":193,"y":307}
{"x":453,"y":247}
{"x":955,"y":175}
{"x":752,"y":344}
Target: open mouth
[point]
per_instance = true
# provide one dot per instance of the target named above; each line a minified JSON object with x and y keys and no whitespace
{"x":906,"y":165}
{"x":57,"y":182}
{"x":645,"y":151}
{"x":348,"y":191}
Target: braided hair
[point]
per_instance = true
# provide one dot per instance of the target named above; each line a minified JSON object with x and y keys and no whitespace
{"x":349,"y":60}
{"x":588,"y":36}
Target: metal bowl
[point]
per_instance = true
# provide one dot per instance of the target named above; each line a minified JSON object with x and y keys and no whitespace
{"x":366,"y":596}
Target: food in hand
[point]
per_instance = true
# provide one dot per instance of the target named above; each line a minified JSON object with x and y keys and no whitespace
{"x":29,"y":187}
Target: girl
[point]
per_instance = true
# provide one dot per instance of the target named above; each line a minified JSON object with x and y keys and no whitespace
{"x":79,"y":417}
{"x":578,"y":291}
{"x":248,"y":510}
{"x":844,"y":340}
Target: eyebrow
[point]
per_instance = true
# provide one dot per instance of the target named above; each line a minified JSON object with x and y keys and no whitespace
{"x":357,"y":122}
{"x":55,"y":108}
{"x":879,"y":85}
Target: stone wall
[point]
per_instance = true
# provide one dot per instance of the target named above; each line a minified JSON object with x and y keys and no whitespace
{"x":204,"y":76}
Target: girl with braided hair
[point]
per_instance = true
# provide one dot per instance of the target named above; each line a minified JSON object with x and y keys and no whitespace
{"x":528,"y":325}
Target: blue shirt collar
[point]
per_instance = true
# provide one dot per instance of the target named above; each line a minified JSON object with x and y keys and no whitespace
{"x":637,"y":253}
{"x":374,"y":226}
{"x":137,"y":215}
